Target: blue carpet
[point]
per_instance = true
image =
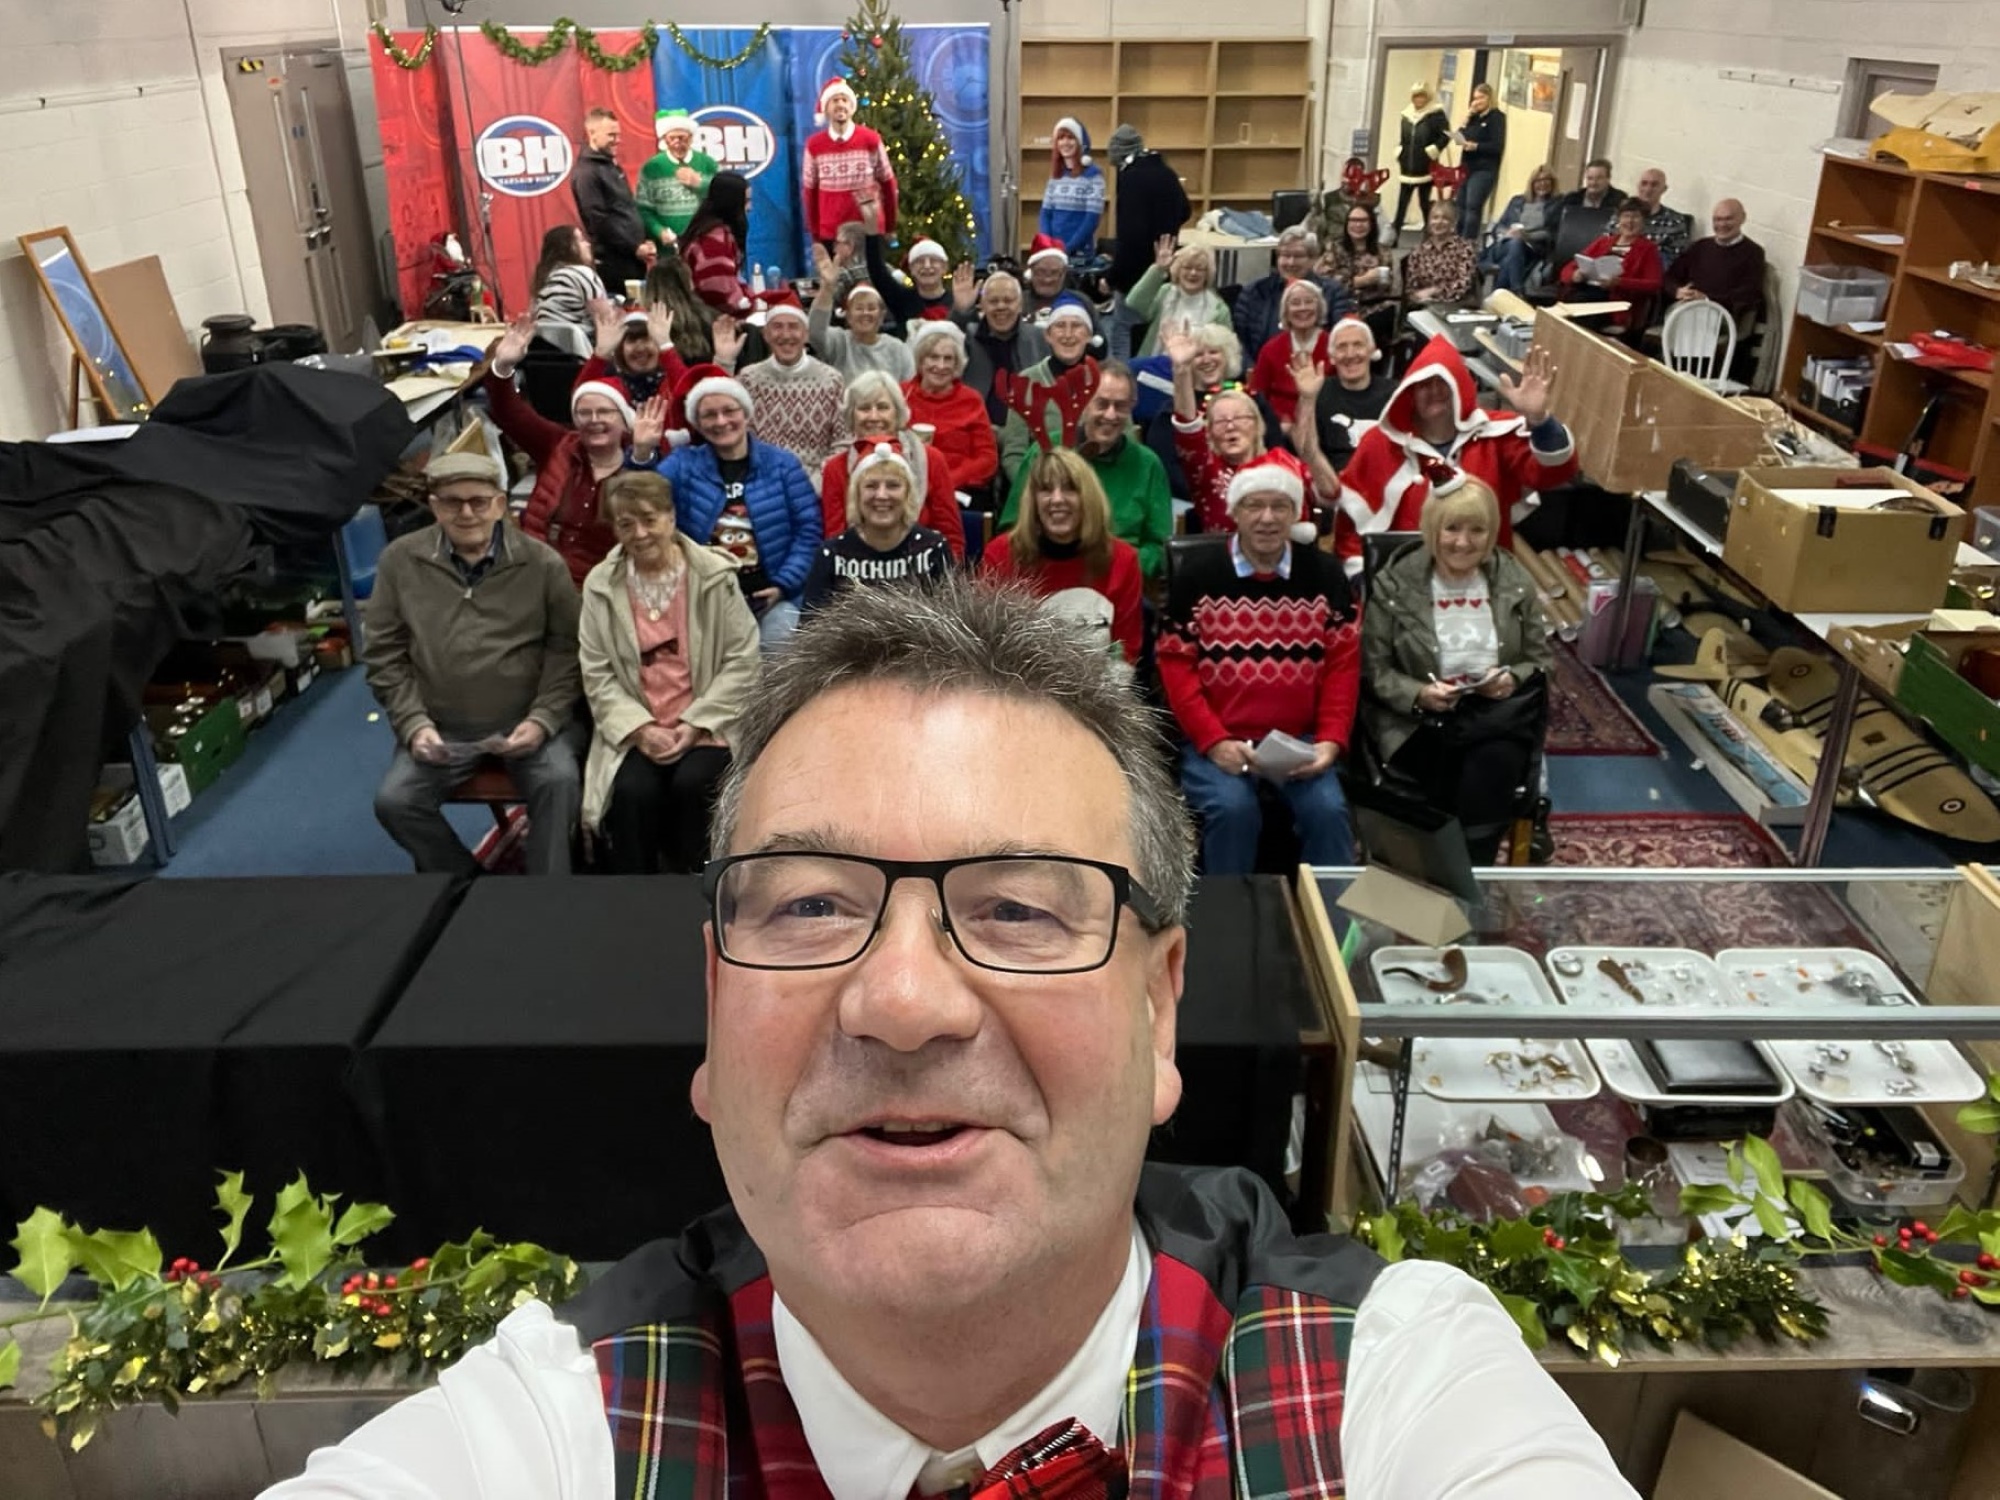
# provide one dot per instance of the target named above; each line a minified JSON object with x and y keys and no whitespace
{"x":301,"y":800}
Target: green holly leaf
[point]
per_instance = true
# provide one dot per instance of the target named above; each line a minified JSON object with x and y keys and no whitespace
{"x":1770,"y":1219}
{"x":1699,"y":1199}
{"x":1388,"y":1237}
{"x":361,"y":1220}
{"x":43,"y":1245}
{"x":1734,"y":1156}
{"x":1959,"y":1224}
{"x":1981,"y":1116}
{"x":1527,"y":1317}
{"x":301,"y":1234}
{"x":1814,"y":1210}
{"x":116,"y":1258}
{"x":10,"y":1363}
{"x":1905,"y":1269}
{"x":235,"y":1206}
{"x":1578,"y":1275}
{"x":1514,"y":1240}
{"x":1763,"y":1161}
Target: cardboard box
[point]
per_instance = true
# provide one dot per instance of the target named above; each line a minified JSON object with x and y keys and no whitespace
{"x":1706,"y":1463}
{"x":1808,"y":554}
{"x":1918,"y":668}
{"x":210,"y":745}
{"x":1632,"y":416}
{"x":121,"y":838}
{"x":174,"y":789}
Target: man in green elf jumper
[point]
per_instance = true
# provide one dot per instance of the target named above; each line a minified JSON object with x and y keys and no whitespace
{"x":671,"y":185}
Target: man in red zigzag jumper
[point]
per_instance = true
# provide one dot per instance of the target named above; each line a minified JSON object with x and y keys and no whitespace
{"x":1262,"y":636}
{"x":845,"y":167}
{"x":1433,"y":417}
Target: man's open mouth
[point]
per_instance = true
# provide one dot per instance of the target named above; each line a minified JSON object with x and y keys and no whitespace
{"x":914,"y":1132}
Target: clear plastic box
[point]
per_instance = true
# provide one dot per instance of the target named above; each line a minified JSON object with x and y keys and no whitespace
{"x":1903,"y":1191}
{"x":1842,"y":294}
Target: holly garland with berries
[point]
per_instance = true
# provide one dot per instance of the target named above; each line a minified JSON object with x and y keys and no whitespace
{"x":930,"y":197}
{"x":166,"y":1332}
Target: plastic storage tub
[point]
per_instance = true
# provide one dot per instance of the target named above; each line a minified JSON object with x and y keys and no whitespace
{"x":1842,"y":294}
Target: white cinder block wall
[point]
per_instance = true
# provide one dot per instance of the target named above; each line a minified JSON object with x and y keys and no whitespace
{"x":1721,"y":138}
{"x":133,"y":175}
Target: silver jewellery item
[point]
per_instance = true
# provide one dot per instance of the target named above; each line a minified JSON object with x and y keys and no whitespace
{"x":1898,"y":1054}
{"x":1900,"y":1086}
{"x":655,"y":594}
{"x":1568,"y":965}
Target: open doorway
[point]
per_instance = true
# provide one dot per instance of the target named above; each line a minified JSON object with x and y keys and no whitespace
{"x":1550,"y":95}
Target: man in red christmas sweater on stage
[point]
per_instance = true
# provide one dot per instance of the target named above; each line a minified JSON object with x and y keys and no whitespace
{"x":845,"y":168}
{"x":1434,"y":417}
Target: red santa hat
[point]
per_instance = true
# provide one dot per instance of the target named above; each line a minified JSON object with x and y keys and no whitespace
{"x":884,"y":452}
{"x":782,"y":302}
{"x":926,"y":246}
{"x":1047,"y":247}
{"x":1276,"y":473}
{"x":827,"y":90}
{"x":613,"y":393}
{"x":711,"y":380}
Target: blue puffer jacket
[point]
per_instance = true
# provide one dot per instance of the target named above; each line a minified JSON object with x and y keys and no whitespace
{"x":783,"y":506}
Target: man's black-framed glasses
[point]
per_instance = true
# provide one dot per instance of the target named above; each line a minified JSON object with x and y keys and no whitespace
{"x":1017,"y":913}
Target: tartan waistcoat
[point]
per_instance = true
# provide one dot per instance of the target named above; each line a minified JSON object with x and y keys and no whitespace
{"x":1234,"y":1390}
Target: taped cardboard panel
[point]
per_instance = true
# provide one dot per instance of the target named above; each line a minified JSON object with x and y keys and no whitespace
{"x":140,"y":305}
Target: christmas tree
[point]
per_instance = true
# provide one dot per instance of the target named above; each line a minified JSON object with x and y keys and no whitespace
{"x":929,"y":202}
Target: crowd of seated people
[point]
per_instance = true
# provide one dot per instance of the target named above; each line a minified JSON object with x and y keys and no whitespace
{"x":735,"y":460}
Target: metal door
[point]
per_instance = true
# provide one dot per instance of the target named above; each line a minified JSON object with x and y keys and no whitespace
{"x":295,"y":126}
{"x":1573,"y":140}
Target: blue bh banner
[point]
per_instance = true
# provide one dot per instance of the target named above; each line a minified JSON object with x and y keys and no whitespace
{"x":755,"y":118}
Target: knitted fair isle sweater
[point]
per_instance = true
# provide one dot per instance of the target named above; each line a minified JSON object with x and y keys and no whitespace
{"x":798,"y":407}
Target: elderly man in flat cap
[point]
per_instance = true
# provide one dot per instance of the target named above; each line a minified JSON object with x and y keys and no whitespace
{"x":471,"y":651}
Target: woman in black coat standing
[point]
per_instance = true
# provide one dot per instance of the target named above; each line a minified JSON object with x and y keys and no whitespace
{"x":1426,"y":133}
{"x":1482,"y":141}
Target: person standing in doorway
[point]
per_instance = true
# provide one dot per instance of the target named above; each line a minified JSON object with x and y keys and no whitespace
{"x":605,"y":203}
{"x":1426,"y":133}
{"x":1482,"y":143}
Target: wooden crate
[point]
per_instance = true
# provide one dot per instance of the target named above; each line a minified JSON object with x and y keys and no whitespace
{"x":1632,"y":416}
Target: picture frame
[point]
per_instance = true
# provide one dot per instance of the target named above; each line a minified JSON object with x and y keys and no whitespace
{"x":1514,"y":80}
{"x":97,"y":353}
{"x":1543,"y":83}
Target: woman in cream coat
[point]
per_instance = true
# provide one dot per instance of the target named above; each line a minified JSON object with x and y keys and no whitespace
{"x":669,"y":653}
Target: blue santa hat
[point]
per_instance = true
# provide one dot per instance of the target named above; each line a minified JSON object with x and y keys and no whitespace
{"x":1067,"y":304}
{"x":1075,"y":127}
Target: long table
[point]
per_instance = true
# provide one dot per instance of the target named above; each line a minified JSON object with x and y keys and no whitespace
{"x":512,"y":1055}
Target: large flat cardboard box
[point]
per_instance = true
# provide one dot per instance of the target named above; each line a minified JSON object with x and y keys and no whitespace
{"x":1706,"y":1463}
{"x":1820,"y":541}
{"x":1632,"y":416}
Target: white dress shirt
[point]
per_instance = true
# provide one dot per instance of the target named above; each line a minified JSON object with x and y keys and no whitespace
{"x":862,"y":1455}
{"x":1442,"y":1402}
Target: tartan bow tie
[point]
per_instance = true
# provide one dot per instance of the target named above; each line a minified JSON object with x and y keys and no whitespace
{"x":1063,"y":1462}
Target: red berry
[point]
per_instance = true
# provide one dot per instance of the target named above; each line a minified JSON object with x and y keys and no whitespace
{"x":1971,"y":1278}
{"x":373,"y":1281}
{"x":1880,"y":1241}
{"x":1988,"y":1262}
{"x":1918,"y":1226}
{"x":389,"y":1282}
{"x":421,"y":1263}
{"x":1961,"y":1291}
{"x":1930,"y":1237}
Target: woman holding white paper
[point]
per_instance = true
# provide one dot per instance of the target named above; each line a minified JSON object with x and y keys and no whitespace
{"x":1624,"y":265}
{"x":1454,"y":661}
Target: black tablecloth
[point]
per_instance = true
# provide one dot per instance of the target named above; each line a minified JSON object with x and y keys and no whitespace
{"x":534,"y":1079}
{"x":154,"y":1031}
{"x":519,"y":1062}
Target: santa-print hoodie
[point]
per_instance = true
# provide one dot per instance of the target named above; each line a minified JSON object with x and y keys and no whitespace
{"x":1384,"y":486}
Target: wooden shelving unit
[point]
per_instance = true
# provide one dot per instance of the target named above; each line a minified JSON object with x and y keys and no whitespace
{"x":1942,"y":219}
{"x":1231,"y":116}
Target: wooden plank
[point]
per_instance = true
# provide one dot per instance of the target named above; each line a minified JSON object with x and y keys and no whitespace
{"x":210,"y":1448}
{"x":1322,"y":951}
{"x":138,"y":300}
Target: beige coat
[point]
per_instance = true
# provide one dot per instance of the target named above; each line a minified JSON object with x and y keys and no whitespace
{"x":722,"y":653}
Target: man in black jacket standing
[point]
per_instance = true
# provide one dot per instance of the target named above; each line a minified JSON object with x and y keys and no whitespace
{"x":1151,"y":203}
{"x":605,"y":203}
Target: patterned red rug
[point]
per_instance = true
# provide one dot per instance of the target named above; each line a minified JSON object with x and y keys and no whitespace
{"x":1586,"y":717}
{"x":1665,"y":841}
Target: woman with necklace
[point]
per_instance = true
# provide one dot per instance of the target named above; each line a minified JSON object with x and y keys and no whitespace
{"x":669,"y":653}
{"x":1455,"y":660}
{"x":882,"y":542}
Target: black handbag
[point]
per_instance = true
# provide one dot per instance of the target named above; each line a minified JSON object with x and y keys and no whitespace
{"x":1475,"y":720}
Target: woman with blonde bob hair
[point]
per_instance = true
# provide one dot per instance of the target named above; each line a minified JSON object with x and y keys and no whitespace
{"x":1455,"y":662}
{"x":669,"y":652}
{"x":1178,"y":290}
{"x":874,"y":411}
{"x":1063,"y":550}
{"x":882,"y":542}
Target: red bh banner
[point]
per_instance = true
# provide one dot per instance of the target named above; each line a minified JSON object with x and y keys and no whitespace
{"x":473,"y":129}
